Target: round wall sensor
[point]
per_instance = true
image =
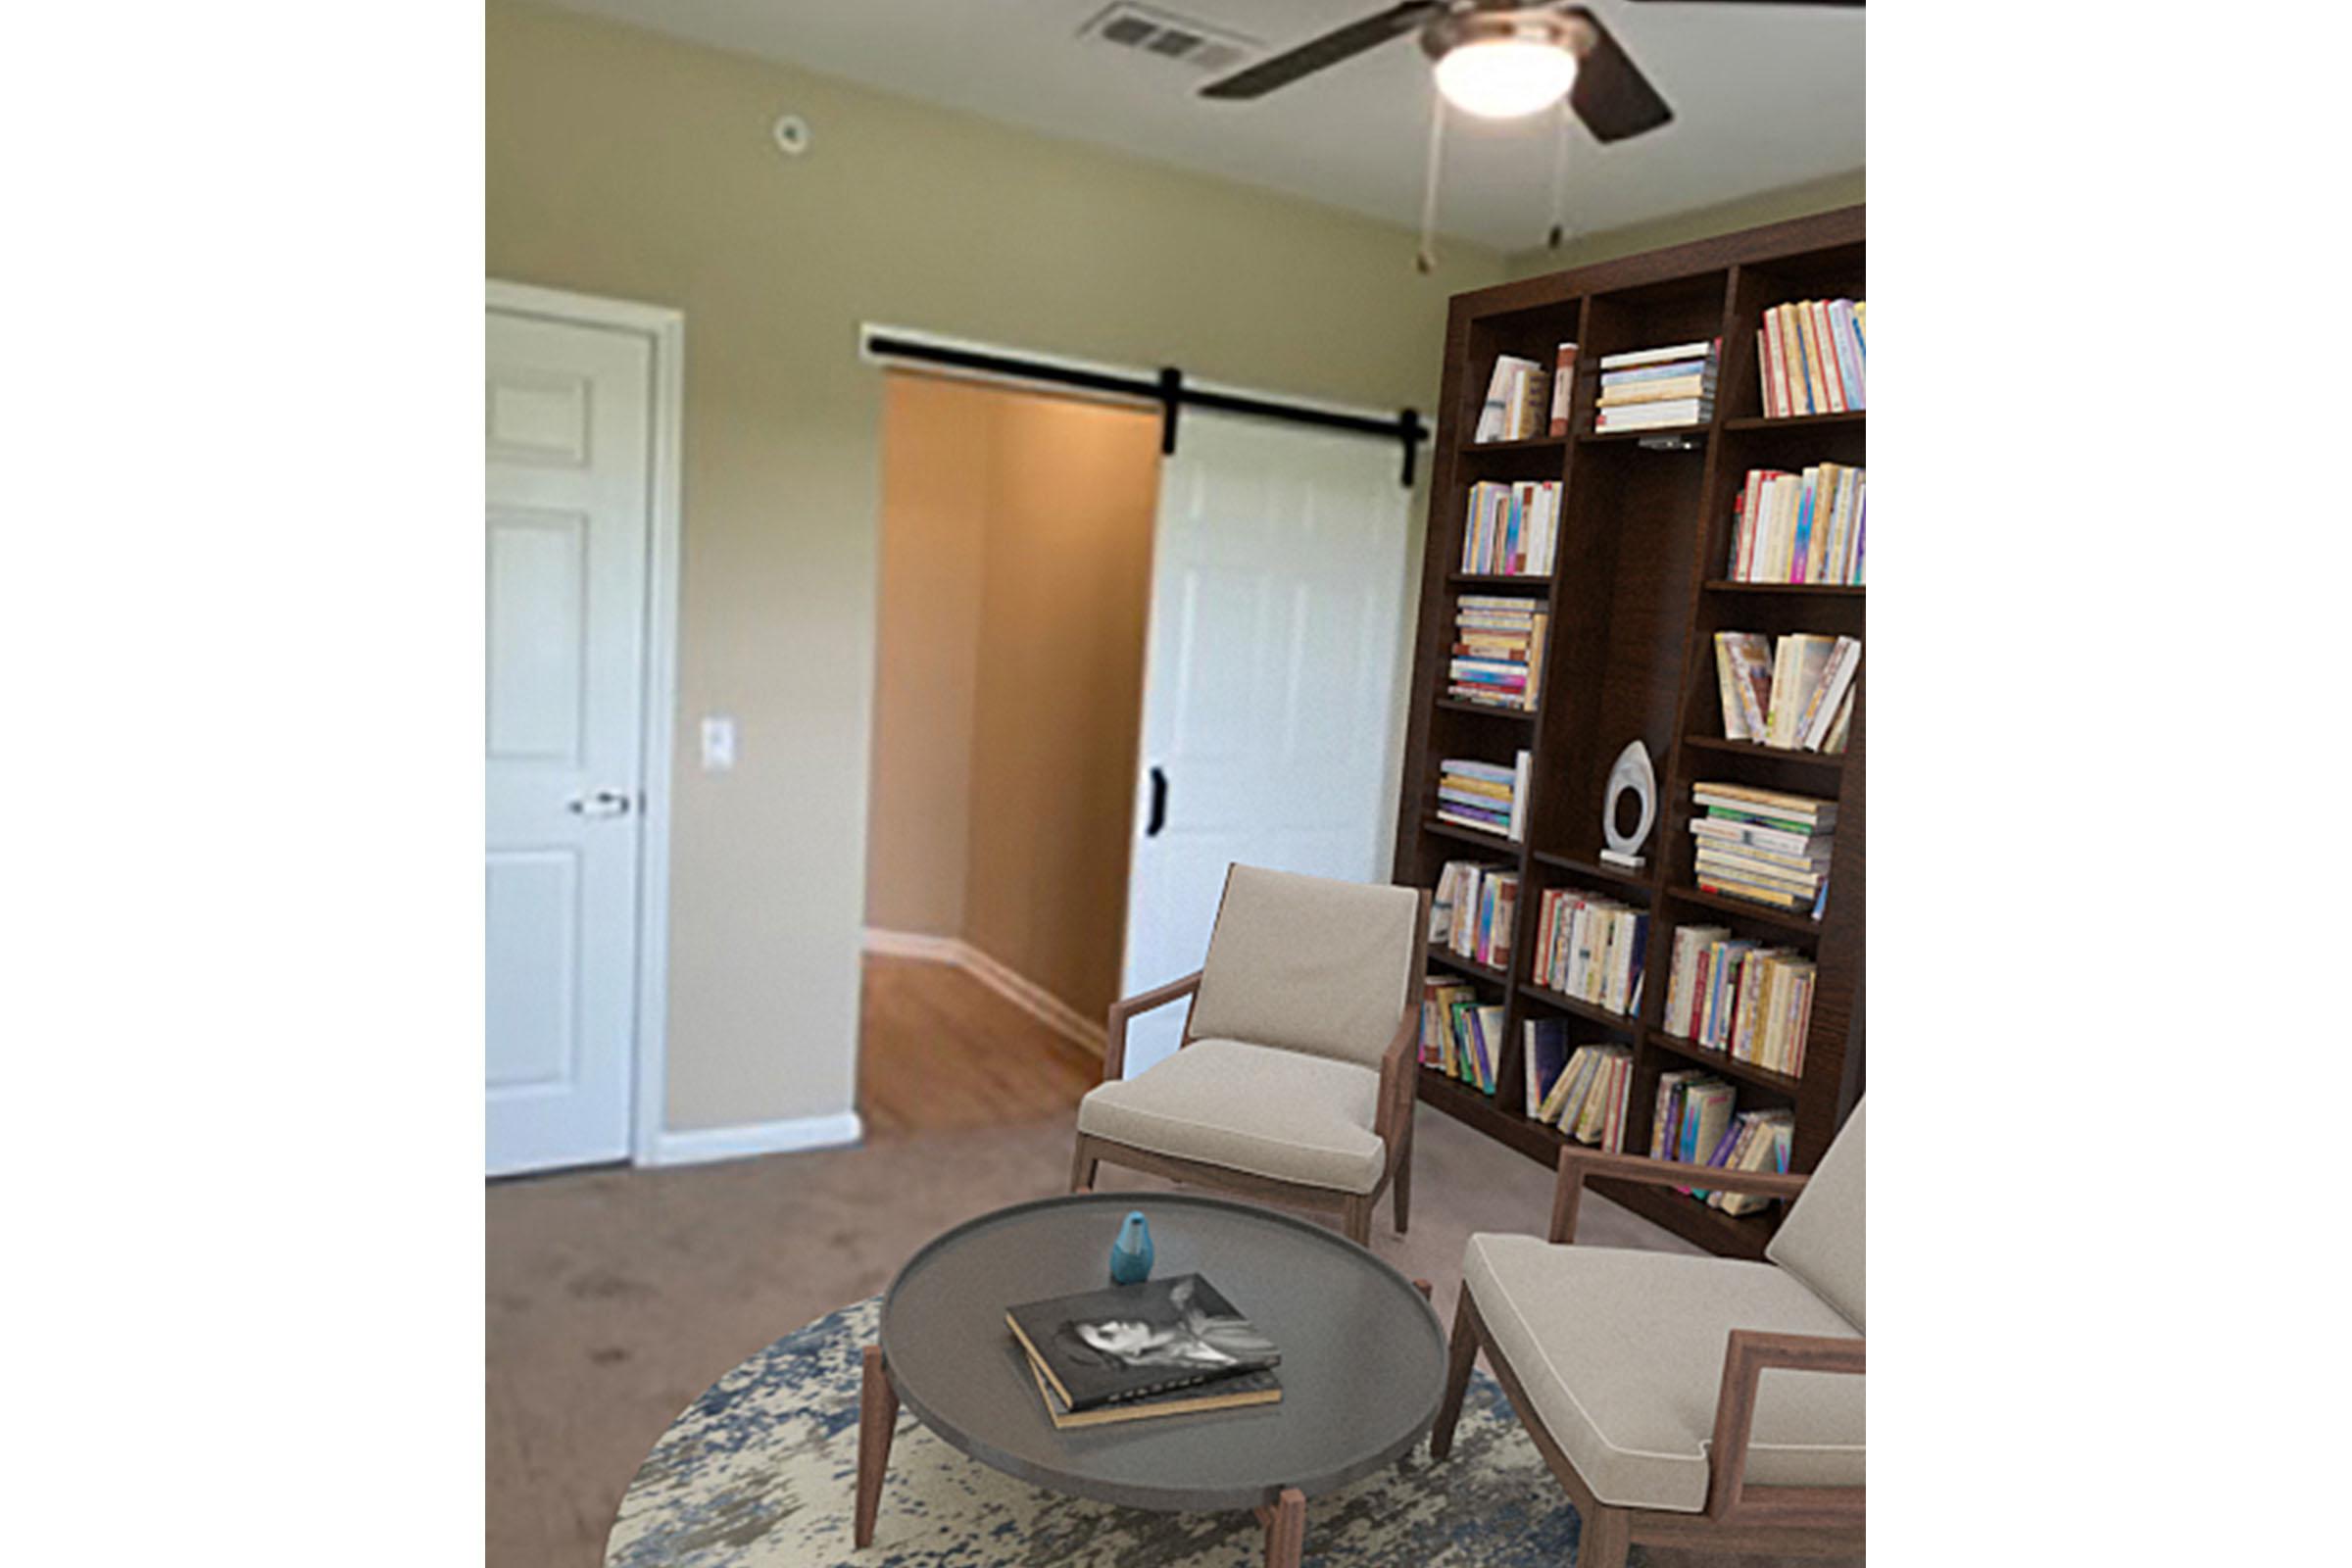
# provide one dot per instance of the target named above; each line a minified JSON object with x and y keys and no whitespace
{"x":792,"y":135}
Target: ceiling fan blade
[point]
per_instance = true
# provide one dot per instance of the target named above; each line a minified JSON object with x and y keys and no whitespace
{"x":1611,"y":96}
{"x":1328,"y":50}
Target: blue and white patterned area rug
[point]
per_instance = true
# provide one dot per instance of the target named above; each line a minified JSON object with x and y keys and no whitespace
{"x":759,"y":1471}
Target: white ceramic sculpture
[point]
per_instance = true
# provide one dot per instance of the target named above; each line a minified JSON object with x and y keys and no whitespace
{"x":1631,"y":773}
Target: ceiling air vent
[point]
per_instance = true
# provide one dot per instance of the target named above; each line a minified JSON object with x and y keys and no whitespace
{"x":1171,"y":37}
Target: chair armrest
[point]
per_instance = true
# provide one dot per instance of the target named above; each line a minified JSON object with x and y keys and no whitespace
{"x":1391,"y":1112}
{"x":1745,"y":1355}
{"x":1114,"y":1037}
{"x":1576,"y":1164}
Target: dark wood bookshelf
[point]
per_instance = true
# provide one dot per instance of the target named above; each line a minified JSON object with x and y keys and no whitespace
{"x":1801,"y":590}
{"x":1762,"y":753}
{"x":1637,"y":596}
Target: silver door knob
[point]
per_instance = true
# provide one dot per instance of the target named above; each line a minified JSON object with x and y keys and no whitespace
{"x":603,"y":802}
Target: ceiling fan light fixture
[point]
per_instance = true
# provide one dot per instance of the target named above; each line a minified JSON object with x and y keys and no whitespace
{"x":1505,"y":78}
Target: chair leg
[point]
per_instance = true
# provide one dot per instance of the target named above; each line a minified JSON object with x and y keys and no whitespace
{"x":1082,"y":1168}
{"x":1405,"y":1178}
{"x":1286,"y":1529}
{"x":1460,"y":1353}
{"x":1606,"y":1537}
{"x":1356,"y":1220}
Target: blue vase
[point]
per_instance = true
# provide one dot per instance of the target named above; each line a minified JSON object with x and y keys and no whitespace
{"x":1131,"y":1251}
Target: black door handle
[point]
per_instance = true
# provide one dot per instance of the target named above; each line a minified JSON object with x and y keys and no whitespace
{"x":1158,"y":818}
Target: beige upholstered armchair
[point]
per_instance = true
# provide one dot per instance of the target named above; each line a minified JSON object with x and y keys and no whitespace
{"x":1293,"y":1078}
{"x":1641,"y":1375}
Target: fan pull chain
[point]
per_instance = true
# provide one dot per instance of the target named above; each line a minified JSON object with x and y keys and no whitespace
{"x":1425,"y":259}
{"x":1559,"y":184}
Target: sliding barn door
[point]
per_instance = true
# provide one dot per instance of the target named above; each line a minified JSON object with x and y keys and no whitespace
{"x":1278,"y":581}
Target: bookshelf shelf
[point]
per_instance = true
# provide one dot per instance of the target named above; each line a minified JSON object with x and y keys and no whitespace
{"x":1623,"y":1023}
{"x":1794,"y":589}
{"x":1635,"y":597}
{"x":1541,"y":443}
{"x":1802,"y":924}
{"x":1469,"y":966}
{"x":1832,"y":760}
{"x":1539,"y":581}
{"x":1617,"y":877}
{"x":1492,"y":842}
{"x":1454,"y":704}
{"x":1797,"y":422}
{"x":1748,"y":1072}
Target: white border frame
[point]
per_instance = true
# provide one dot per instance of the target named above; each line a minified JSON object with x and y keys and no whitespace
{"x":665,"y":326}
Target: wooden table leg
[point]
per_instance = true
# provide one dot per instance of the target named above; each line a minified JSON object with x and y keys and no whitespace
{"x":877,"y":1421}
{"x":1286,"y":1529}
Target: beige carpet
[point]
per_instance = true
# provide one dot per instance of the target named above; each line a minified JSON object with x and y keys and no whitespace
{"x":615,"y":1297}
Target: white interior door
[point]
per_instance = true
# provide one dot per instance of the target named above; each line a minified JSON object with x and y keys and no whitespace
{"x":1278,"y":579}
{"x":567,"y":460}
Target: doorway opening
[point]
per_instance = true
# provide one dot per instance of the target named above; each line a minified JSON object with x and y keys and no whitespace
{"x":1106,"y":671}
{"x":1015,"y":591}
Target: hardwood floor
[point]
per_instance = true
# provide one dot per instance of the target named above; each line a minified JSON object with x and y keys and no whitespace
{"x":939,"y":1051}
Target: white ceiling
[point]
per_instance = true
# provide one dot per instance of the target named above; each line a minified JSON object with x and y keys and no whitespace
{"x":1764,"y":96}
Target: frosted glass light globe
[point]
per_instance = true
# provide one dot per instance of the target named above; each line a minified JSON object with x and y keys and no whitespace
{"x":1502,"y":78}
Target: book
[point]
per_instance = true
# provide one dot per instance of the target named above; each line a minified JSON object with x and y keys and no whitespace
{"x":1511,"y":529}
{"x":1563,"y":385}
{"x":1651,"y":389}
{"x":1127,"y":1342}
{"x":1764,"y":846}
{"x":1517,"y":401}
{"x":1497,"y":653}
{"x":1812,"y":358}
{"x":1487,"y":796}
{"x":1638,"y":357}
{"x":1544,"y":1056}
{"x":1786,"y":693}
{"x":1591,"y":947}
{"x":1802,"y":527}
{"x":1237,"y":1392}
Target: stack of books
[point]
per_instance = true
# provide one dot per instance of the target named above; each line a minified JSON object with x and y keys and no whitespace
{"x":1497,"y":656}
{"x":1470,"y":914}
{"x":1510,"y":529}
{"x":1764,"y":846}
{"x":1127,"y":1352}
{"x":1696,"y":1122}
{"x":1486,"y":796}
{"x":1524,"y":400}
{"x":1654,"y":389}
{"x":1584,"y":1092}
{"x":1461,"y":1036}
{"x":1750,"y":1001}
{"x":1812,"y":356}
{"x":1796,"y":694}
{"x":1808,"y":527}
{"x":1590,"y":948}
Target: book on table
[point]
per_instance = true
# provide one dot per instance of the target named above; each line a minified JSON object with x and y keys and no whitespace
{"x":1126,"y":1343}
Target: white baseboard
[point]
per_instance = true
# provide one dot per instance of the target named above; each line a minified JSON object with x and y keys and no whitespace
{"x":1017,"y":988}
{"x":699,"y":1145}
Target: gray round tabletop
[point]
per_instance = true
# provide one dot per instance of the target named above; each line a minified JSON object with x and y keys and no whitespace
{"x":1364,"y":1356}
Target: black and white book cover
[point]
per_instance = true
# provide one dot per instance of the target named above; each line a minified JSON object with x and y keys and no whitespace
{"x":1129,"y":1340}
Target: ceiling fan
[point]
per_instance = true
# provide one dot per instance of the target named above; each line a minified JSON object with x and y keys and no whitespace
{"x":1496,"y":59}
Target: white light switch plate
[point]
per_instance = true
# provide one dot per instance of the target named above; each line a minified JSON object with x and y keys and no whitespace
{"x":718,"y":744}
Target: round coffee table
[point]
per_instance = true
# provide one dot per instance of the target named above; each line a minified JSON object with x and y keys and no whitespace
{"x":1363,"y":1360}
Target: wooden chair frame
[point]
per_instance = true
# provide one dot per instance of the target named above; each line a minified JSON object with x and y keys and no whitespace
{"x":1392,"y":1120}
{"x":1786,"y":1521}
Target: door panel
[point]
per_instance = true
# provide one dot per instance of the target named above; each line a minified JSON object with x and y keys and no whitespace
{"x":567,"y":459}
{"x":1278,"y":579}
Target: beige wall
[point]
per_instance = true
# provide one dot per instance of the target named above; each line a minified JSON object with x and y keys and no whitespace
{"x":624,"y":163}
{"x":1725,"y":217}
{"x":1060,"y":709}
{"x":1016,"y":587}
{"x":939,"y":442}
